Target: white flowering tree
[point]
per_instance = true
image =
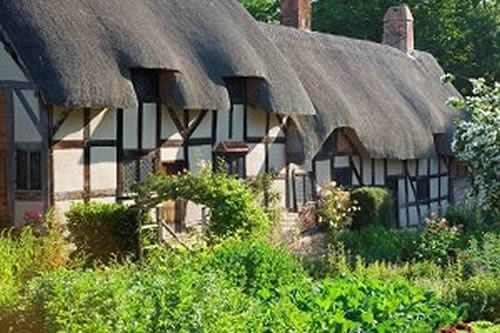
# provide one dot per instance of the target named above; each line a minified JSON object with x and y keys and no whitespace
{"x":477,"y":140}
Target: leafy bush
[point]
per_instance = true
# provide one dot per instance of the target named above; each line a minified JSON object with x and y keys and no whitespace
{"x":262,"y":188}
{"x":481,"y":294}
{"x":335,"y":207}
{"x":377,"y":243}
{"x":469,"y":219}
{"x":375,"y":207}
{"x":354,"y":303}
{"x":484,"y":256}
{"x":27,"y":255}
{"x":437,"y":241}
{"x":234,"y":210}
{"x":256,"y":267}
{"x":103,"y":231}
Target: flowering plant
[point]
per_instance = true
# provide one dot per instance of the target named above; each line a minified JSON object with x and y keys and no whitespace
{"x":335,"y":207}
{"x":477,"y":140}
{"x":437,"y":240}
{"x":33,"y":218}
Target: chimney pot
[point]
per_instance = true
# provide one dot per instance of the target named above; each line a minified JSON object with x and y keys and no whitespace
{"x":296,"y":13}
{"x":398,"y":28}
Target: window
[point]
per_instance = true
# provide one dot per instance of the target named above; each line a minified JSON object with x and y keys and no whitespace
{"x":236,"y":88}
{"x":231,"y":157}
{"x":28,"y":170}
{"x":146,"y":84}
{"x":137,"y":167}
{"x":343,"y":176}
{"x":423,"y":189}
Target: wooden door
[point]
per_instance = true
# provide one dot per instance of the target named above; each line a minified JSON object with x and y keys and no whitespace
{"x":174,"y":211}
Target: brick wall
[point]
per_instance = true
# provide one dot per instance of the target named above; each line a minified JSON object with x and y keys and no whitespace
{"x":296,"y":13}
{"x":3,"y":158}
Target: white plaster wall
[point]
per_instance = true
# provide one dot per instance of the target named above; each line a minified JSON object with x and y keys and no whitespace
{"x":21,"y":207}
{"x":277,"y":158}
{"x":256,"y":123}
{"x":102,"y":168}
{"x":413,"y":216}
{"x":356,"y":162}
{"x":130,"y":123}
{"x":275,"y":127}
{"x":412,"y":167}
{"x":68,"y":170}
{"x":402,"y":192}
{"x":199,"y":156}
{"x":171,"y":154}
{"x":402,"y":217}
{"x":394,"y":168}
{"x":255,"y":159}
{"x":279,"y":185}
{"x":434,"y":188}
{"x":222,"y":126}
{"x":367,"y":171}
{"x":72,"y":128}
{"x":444,"y":186}
{"x":422,"y":167}
{"x":149,"y":126}
{"x":341,"y":161}
{"x":193,"y":214}
{"x":434,"y":166}
{"x":168,"y":128}
{"x":103,"y":124}
{"x":24,"y":128}
{"x":323,"y":172}
{"x":238,"y":122}
{"x":9,"y":70}
{"x":204,"y":129}
{"x":379,"y":172}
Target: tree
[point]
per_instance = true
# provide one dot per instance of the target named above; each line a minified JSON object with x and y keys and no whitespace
{"x":263,"y":10}
{"x":477,"y":140}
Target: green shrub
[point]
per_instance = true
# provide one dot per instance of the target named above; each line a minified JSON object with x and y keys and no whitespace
{"x":256,"y":266}
{"x":484,"y":256}
{"x":437,"y":242}
{"x":375,"y":207}
{"x":364,"y":304}
{"x":335,"y":208}
{"x":103,"y":231}
{"x":233,"y":207}
{"x":377,"y":243}
{"x":481,"y":294}
{"x":469,"y":219}
{"x":485,"y":327}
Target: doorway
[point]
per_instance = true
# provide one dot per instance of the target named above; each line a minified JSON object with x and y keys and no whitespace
{"x":173,"y":212}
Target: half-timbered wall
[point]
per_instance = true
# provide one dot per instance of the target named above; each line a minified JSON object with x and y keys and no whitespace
{"x":98,"y":153}
{"x":420,"y":187}
{"x":25,"y":139}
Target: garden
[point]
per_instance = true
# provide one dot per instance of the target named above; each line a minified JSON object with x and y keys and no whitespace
{"x":103,"y":272}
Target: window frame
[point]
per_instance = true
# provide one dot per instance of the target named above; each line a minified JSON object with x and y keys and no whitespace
{"x":424,"y":196}
{"x":343,"y":169}
{"x":29,"y":174}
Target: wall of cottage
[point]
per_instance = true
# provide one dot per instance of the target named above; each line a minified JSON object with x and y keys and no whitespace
{"x":98,"y":153}
{"x":24,"y":135}
{"x":4,"y":208}
{"x":421,"y":186}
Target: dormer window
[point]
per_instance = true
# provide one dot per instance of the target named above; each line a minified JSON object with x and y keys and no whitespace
{"x":146,"y":84}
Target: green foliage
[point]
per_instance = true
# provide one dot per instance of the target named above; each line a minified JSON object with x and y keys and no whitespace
{"x":26,"y":255}
{"x":354,"y":303}
{"x":468,"y":219}
{"x":484,"y":255}
{"x":336,"y":208}
{"x":481,"y":294}
{"x":256,"y":267}
{"x":377,"y":243}
{"x":461,"y":34}
{"x":477,"y":141}
{"x":437,"y":241}
{"x":103,"y":231}
{"x":485,"y":327}
{"x":262,"y":188}
{"x":263,"y":10}
{"x":375,"y":207}
{"x":234,"y":209}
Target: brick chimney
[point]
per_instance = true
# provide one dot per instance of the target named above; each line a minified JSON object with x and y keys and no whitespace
{"x":398,"y":28}
{"x":296,"y":14}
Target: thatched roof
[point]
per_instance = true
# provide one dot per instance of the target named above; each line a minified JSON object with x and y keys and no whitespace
{"x":80,"y":52}
{"x":395,"y":103}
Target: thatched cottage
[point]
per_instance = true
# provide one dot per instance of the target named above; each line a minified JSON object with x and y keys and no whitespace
{"x":95,"y":95}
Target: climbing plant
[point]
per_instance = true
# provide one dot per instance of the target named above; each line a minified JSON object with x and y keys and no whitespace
{"x":234,"y":210}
